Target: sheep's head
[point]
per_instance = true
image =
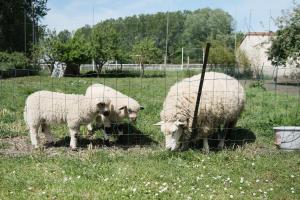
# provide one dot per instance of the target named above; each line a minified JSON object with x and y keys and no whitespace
{"x":131,"y":112}
{"x":103,"y":106}
{"x":173,"y":132}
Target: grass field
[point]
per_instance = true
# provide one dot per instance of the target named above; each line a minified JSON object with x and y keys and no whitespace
{"x":253,"y":171}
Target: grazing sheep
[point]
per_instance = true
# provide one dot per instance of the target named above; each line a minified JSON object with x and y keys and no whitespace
{"x":221,"y":103}
{"x":43,"y":108}
{"x":121,"y":107}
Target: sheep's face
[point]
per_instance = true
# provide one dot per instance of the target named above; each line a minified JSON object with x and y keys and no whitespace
{"x":173,"y":133}
{"x":103,"y":107}
{"x":131,"y":113}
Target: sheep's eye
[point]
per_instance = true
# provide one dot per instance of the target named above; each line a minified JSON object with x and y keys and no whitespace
{"x":101,"y":104}
{"x":130,"y":111}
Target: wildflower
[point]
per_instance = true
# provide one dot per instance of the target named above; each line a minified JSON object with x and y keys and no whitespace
{"x":253,"y":164}
{"x":163,"y":189}
{"x":253,"y":193}
{"x":78,"y":177}
{"x":106,"y":179}
{"x":207,"y":186}
{"x":231,"y":196}
{"x":242,"y":180}
{"x":134,"y":190}
{"x":271,"y":189}
{"x":292,"y":176}
{"x":257,"y":180}
{"x":242,"y":192}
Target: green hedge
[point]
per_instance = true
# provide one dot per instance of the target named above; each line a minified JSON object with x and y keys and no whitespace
{"x":15,"y":64}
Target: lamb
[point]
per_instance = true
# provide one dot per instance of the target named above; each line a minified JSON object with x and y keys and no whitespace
{"x":121,"y":107}
{"x":222,"y":101}
{"x":44,"y":108}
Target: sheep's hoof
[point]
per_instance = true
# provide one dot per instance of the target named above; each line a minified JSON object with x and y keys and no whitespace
{"x":74,"y":148}
{"x":107,"y":143}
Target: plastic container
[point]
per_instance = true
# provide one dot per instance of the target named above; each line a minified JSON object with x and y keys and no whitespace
{"x":287,"y":137}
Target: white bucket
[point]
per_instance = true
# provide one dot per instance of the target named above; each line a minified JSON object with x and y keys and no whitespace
{"x":287,"y":137}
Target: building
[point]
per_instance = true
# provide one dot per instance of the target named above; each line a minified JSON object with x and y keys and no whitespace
{"x":255,"y":46}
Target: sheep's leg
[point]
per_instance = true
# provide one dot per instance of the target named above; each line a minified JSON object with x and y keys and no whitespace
{"x":34,"y":136}
{"x":107,"y":130}
{"x":120,"y":128}
{"x":48,"y":135}
{"x":90,"y":129}
{"x":205,"y":145}
{"x":73,"y":134}
{"x":228,"y":126}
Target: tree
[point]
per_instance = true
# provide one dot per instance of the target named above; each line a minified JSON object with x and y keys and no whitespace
{"x":46,"y":50}
{"x":14,"y":34}
{"x":204,"y":23}
{"x":73,"y":53}
{"x":145,"y":52}
{"x":220,"y":54}
{"x":104,"y":45}
{"x":286,"y":43}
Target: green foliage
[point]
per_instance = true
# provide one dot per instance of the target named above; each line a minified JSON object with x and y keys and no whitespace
{"x":221,"y":55}
{"x":243,"y":61}
{"x":286,"y":43}
{"x":145,"y":52}
{"x":12,"y":27}
{"x":104,"y":44}
{"x":46,"y":50}
{"x":205,"y":23}
{"x":13,"y":60}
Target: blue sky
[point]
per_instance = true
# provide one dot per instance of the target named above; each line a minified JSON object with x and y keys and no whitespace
{"x":72,"y":14}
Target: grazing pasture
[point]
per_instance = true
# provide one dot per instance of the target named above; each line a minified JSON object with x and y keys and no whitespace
{"x":136,"y":166}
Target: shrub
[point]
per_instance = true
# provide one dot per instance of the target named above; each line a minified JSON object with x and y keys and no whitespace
{"x":13,"y":60}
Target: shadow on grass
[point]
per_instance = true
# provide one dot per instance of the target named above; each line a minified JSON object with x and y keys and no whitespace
{"x":123,"y":74}
{"x":237,"y":137}
{"x":131,"y":137}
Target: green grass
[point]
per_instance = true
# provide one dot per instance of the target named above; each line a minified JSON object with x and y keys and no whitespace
{"x":149,"y":172}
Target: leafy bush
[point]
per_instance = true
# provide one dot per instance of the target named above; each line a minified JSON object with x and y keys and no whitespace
{"x":13,"y":60}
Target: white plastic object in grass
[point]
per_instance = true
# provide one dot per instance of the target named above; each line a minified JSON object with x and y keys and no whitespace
{"x":287,"y":137}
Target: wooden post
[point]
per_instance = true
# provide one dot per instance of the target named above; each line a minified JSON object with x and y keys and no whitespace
{"x":194,"y":123}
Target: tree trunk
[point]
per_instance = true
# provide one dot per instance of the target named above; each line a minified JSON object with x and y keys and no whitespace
{"x":99,"y":68}
{"x":121,"y":61}
{"x":72,"y":69}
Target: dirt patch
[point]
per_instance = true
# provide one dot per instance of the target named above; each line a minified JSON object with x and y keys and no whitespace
{"x":281,"y":88}
{"x":18,"y":146}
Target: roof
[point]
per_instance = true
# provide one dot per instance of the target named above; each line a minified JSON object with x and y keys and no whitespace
{"x":263,"y":34}
{"x":260,"y":33}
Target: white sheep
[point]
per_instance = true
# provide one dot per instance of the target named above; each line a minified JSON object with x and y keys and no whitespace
{"x":221,"y":103}
{"x":120,"y":108}
{"x":44,"y":108}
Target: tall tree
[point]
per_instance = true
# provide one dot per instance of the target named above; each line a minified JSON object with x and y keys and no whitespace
{"x":146,"y":52}
{"x":19,"y":23}
{"x":104,"y":45}
{"x":286,"y":43}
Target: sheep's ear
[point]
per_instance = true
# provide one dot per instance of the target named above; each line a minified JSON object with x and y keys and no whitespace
{"x":101,"y":104}
{"x":123,"y":107}
{"x":179,"y":123}
{"x":142,"y":108}
{"x":159,"y":123}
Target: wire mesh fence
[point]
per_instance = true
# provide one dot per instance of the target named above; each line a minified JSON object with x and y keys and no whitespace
{"x":267,"y":105}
